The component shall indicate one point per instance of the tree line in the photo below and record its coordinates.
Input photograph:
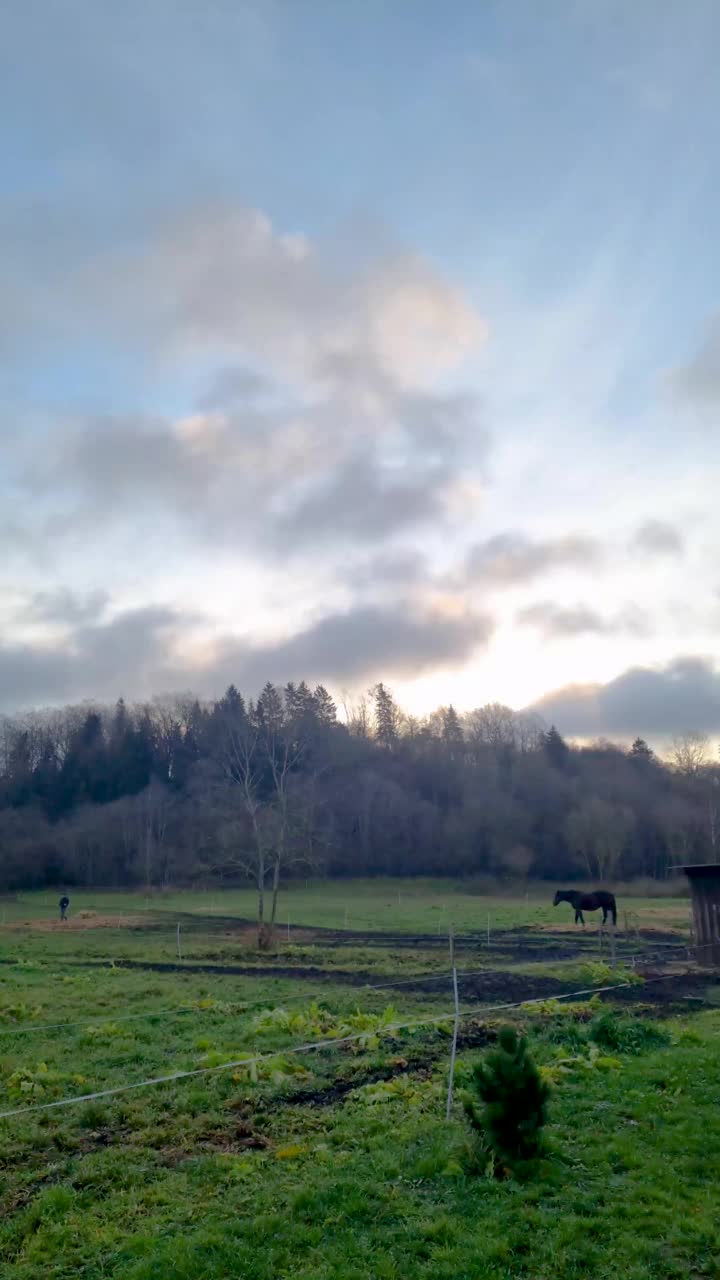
(184, 792)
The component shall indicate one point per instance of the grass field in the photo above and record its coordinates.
(337, 1161)
(398, 905)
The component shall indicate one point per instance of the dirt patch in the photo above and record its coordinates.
(418, 1062)
(83, 920)
(490, 986)
(665, 994)
(327, 977)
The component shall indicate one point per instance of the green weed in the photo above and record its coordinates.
(627, 1035)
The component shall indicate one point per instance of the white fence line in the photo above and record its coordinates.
(310, 1047)
(243, 1006)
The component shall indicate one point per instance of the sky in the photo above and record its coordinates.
(363, 341)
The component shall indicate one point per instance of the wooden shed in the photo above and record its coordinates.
(705, 888)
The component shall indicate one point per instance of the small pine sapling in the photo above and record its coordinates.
(514, 1098)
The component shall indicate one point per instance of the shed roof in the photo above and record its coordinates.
(703, 871)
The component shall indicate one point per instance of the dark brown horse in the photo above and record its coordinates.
(588, 902)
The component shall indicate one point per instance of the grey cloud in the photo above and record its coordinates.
(234, 386)
(95, 661)
(511, 559)
(220, 280)
(364, 641)
(132, 654)
(558, 621)
(64, 607)
(108, 461)
(321, 369)
(361, 502)
(681, 697)
(395, 568)
(290, 475)
(698, 381)
(657, 538)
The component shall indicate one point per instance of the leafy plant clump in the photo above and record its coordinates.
(40, 1081)
(599, 974)
(591, 1059)
(514, 1099)
(627, 1035)
(317, 1022)
(18, 1012)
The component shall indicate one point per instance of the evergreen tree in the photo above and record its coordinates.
(641, 751)
(232, 704)
(85, 774)
(119, 726)
(229, 715)
(140, 752)
(556, 749)
(325, 708)
(452, 733)
(514, 1099)
(386, 717)
(130, 753)
(292, 701)
(269, 711)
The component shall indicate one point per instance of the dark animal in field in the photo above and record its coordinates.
(588, 902)
(63, 904)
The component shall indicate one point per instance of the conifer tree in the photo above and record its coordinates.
(386, 717)
(514, 1099)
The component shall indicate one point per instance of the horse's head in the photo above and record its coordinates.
(557, 898)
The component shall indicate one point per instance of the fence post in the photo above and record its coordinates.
(612, 943)
(488, 929)
(453, 1051)
(179, 952)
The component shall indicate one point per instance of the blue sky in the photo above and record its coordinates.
(363, 340)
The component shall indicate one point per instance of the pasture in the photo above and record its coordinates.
(308, 1138)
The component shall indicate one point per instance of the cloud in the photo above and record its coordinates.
(395, 568)
(513, 559)
(221, 280)
(362, 502)
(146, 651)
(64, 607)
(657, 538)
(360, 643)
(294, 475)
(234, 386)
(558, 621)
(94, 661)
(324, 410)
(681, 697)
(698, 381)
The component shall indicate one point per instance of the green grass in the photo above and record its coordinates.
(231, 1174)
(419, 905)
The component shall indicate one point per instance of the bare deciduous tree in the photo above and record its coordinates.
(690, 754)
(259, 765)
(598, 831)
